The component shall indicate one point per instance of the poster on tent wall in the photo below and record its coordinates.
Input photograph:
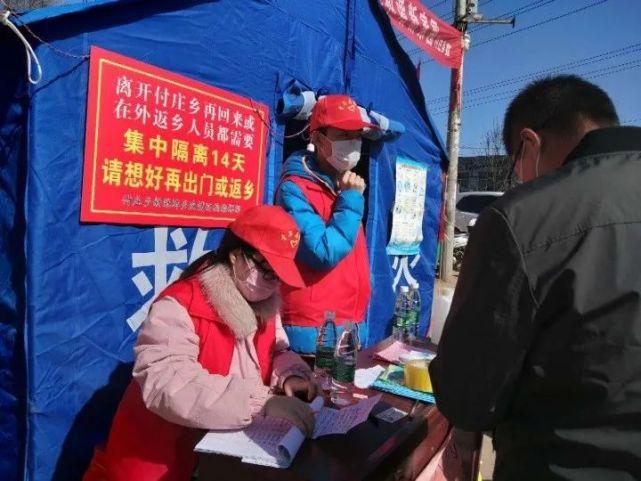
(162, 149)
(437, 38)
(409, 207)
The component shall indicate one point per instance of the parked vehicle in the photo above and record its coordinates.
(469, 205)
(460, 243)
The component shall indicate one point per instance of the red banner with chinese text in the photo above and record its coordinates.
(440, 40)
(162, 149)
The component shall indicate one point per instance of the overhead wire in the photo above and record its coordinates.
(538, 24)
(517, 11)
(523, 9)
(527, 27)
(602, 72)
(480, 148)
(575, 64)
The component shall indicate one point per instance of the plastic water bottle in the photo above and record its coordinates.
(401, 311)
(344, 364)
(440, 308)
(414, 315)
(325, 346)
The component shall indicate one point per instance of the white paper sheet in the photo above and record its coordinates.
(339, 421)
(274, 442)
(364, 378)
(259, 443)
(409, 206)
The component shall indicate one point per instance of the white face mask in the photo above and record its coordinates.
(344, 154)
(250, 281)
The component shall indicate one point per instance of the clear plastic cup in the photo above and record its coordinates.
(417, 375)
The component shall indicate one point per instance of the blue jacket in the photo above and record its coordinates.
(322, 245)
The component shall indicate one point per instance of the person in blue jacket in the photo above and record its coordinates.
(325, 198)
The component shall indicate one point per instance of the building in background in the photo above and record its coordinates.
(484, 173)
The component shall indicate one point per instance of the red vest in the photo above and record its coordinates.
(142, 446)
(344, 289)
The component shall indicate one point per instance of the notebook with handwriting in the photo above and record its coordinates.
(274, 442)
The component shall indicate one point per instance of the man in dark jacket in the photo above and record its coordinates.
(543, 341)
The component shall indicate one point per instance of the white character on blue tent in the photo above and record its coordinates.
(160, 259)
(402, 266)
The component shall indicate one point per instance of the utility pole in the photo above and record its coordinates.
(453, 140)
(465, 12)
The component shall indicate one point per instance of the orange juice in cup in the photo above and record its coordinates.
(417, 375)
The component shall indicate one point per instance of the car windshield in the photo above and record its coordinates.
(475, 203)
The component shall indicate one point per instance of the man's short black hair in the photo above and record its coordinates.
(558, 104)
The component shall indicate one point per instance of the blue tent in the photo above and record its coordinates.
(68, 289)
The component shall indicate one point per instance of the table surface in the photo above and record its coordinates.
(374, 450)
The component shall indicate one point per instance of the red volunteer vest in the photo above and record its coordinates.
(142, 446)
(344, 289)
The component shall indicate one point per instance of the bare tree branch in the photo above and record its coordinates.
(490, 170)
(498, 164)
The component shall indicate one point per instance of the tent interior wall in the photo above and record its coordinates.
(67, 289)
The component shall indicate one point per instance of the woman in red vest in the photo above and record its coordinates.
(211, 354)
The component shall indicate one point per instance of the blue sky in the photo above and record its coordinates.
(609, 27)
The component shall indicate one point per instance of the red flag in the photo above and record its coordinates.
(439, 39)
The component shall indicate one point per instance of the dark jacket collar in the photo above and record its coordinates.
(607, 140)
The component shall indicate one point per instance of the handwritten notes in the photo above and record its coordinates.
(274, 442)
(339, 421)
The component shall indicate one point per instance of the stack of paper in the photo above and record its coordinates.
(274, 442)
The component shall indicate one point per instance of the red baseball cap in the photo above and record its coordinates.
(338, 111)
(274, 233)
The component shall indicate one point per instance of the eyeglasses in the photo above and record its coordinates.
(262, 265)
(510, 174)
(542, 126)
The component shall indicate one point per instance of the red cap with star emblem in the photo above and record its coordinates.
(274, 233)
(338, 111)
